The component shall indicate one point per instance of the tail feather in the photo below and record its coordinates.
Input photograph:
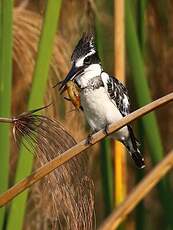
(132, 145)
(138, 159)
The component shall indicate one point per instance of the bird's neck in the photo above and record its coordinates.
(89, 73)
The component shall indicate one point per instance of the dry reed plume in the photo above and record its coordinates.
(70, 181)
(69, 190)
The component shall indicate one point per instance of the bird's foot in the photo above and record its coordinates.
(89, 139)
(106, 130)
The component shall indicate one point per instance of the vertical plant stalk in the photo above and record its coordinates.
(119, 57)
(5, 92)
(141, 6)
(107, 175)
(141, 32)
(18, 207)
(149, 122)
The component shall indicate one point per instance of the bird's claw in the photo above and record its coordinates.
(89, 139)
(106, 130)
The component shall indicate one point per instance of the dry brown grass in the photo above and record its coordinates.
(70, 182)
(69, 31)
(66, 196)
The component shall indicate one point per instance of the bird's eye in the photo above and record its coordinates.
(87, 60)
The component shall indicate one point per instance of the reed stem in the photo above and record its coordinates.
(6, 120)
(77, 149)
(5, 92)
(45, 47)
(150, 123)
(119, 59)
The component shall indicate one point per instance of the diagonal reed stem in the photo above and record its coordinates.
(75, 150)
(138, 193)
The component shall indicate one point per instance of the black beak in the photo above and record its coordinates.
(74, 71)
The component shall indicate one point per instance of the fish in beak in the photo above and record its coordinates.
(74, 72)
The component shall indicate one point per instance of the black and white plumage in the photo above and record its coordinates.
(104, 98)
(118, 94)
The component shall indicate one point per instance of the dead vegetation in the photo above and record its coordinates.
(27, 24)
(66, 196)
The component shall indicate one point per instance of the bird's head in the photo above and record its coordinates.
(84, 58)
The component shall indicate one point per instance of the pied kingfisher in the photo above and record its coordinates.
(104, 99)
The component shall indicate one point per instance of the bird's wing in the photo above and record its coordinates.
(117, 92)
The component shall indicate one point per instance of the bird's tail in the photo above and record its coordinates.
(132, 145)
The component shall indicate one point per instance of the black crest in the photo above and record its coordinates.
(84, 46)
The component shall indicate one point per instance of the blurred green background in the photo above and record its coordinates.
(36, 41)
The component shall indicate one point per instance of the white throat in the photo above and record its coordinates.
(90, 72)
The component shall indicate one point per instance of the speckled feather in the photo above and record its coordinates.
(118, 93)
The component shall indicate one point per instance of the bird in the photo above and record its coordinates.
(104, 99)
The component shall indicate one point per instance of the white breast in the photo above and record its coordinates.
(90, 72)
(99, 109)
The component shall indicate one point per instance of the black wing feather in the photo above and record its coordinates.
(119, 94)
